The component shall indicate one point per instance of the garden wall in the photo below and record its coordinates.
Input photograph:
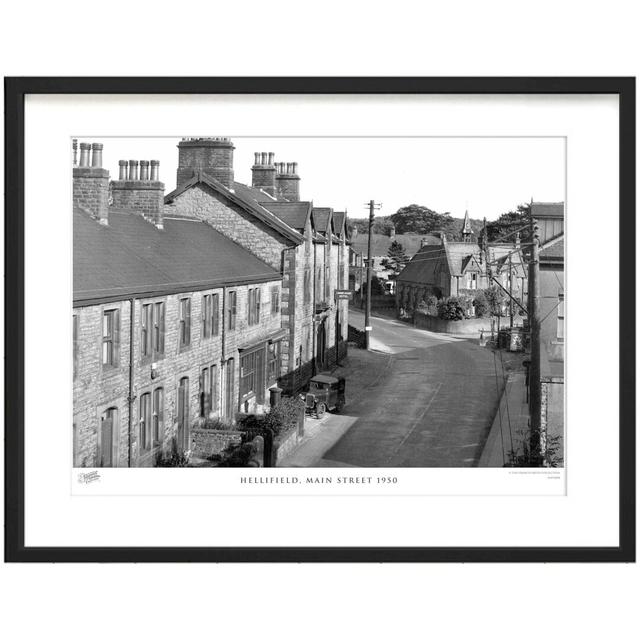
(433, 323)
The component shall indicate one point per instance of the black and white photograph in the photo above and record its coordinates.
(318, 302)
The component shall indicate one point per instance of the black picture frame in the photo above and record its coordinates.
(15, 91)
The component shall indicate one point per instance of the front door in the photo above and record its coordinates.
(229, 395)
(321, 345)
(183, 414)
(106, 438)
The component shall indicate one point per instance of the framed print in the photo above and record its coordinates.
(320, 319)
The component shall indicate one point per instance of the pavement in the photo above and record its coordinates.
(415, 399)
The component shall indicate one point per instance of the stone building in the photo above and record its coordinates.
(305, 244)
(550, 219)
(172, 320)
(453, 268)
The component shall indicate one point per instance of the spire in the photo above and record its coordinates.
(467, 231)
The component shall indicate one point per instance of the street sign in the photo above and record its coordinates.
(343, 294)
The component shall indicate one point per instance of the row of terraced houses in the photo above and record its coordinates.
(201, 303)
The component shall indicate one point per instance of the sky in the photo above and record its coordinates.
(487, 176)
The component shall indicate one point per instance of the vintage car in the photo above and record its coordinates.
(325, 392)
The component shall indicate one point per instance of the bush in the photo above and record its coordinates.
(481, 304)
(280, 419)
(174, 459)
(285, 415)
(235, 456)
(453, 308)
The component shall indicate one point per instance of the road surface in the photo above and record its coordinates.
(417, 399)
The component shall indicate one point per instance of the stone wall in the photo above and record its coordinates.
(91, 191)
(97, 388)
(202, 203)
(144, 197)
(433, 323)
(210, 442)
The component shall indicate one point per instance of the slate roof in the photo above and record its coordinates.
(295, 214)
(547, 209)
(554, 251)
(380, 243)
(130, 256)
(339, 218)
(321, 218)
(423, 265)
(457, 256)
(242, 196)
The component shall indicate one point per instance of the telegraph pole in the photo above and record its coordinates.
(535, 444)
(367, 311)
(510, 294)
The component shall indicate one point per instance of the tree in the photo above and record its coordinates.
(397, 258)
(415, 218)
(508, 223)
(381, 225)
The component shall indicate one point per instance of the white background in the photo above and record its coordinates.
(490, 38)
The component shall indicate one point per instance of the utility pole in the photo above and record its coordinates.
(510, 294)
(367, 311)
(535, 440)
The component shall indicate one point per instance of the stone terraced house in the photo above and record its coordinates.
(172, 320)
(307, 245)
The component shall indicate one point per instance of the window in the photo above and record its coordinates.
(474, 281)
(560, 328)
(145, 422)
(208, 391)
(253, 307)
(110, 337)
(273, 361)
(75, 346)
(307, 286)
(275, 301)
(210, 315)
(252, 374)
(158, 328)
(146, 334)
(157, 429)
(327, 284)
(215, 324)
(185, 323)
(108, 427)
(232, 310)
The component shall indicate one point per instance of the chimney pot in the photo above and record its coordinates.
(75, 153)
(155, 170)
(294, 167)
(85, 148)
(256, 155)
(271, 157)
(133, 169)
(122, 164)
(264, 158)
(96, 155)
(144, 170)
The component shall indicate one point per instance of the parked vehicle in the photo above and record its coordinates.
(325, 393)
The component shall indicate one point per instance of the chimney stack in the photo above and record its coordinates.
(91, 183)
(212, 156)
(264, 173)
(140, 192)
(288, 182)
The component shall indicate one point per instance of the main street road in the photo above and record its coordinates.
(417, 399)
